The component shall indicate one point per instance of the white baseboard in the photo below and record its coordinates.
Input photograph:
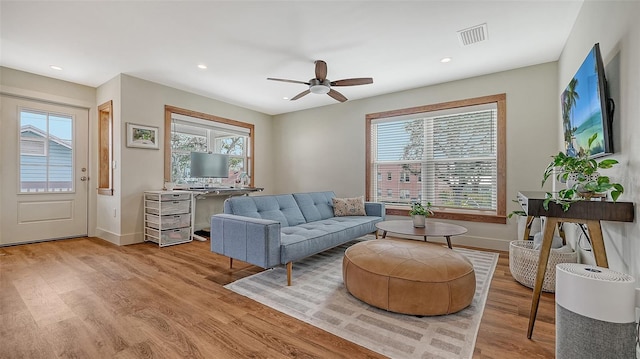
(131, 238)
(482, 242)
(108, 236)
(119, 240)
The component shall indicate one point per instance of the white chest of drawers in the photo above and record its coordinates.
(168, 217)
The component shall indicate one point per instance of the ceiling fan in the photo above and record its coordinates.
(321, 85)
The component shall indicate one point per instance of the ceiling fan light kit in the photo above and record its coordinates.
(321, 85)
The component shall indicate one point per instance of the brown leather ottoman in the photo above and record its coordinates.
(409, 277)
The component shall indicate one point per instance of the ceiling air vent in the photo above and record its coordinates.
(473, 34)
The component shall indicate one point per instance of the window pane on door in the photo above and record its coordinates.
(46, 152)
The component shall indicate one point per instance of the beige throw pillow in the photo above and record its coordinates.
(348, 207)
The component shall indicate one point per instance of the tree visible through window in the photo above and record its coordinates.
(190, 131)
(455, 151)
(182, 144)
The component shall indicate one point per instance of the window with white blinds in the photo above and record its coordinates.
(448, 155)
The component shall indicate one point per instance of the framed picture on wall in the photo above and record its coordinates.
(141, 136)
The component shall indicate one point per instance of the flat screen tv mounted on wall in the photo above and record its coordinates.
(209, 165)
(587, 109)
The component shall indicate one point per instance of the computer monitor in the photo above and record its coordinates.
(209, 165)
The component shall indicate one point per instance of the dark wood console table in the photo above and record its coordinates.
(590, 213)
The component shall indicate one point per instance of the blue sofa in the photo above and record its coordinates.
(272, 230)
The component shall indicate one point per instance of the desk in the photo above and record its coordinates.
(589, 212)
(209, 201)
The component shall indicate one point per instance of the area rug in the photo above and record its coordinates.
(318, 297)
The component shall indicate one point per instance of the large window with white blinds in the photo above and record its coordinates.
(450, 155)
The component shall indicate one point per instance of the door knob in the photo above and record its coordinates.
(84, 178)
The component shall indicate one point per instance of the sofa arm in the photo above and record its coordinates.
(374, 209)
(253, 240)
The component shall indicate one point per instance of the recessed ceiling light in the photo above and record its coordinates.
(445, 60)
(57, 68)
(202, 66)
(285, 98)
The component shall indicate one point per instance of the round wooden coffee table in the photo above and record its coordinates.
(431, 229)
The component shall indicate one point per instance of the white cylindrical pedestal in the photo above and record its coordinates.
(595, 312)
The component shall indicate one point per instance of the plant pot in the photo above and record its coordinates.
(593, 196)
(418, 220)
(572, 179)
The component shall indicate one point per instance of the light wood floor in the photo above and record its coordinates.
(86, 298)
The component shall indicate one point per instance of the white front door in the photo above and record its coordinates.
(44, 171)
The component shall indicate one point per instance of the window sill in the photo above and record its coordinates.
(458, 216)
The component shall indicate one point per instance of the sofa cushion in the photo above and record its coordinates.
(348, 206)
(311, 238)
(315, 206)
(280, 208)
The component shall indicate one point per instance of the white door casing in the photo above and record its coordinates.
(54, 209)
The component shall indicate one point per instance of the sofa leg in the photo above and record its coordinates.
(230, 262)
(289, 270)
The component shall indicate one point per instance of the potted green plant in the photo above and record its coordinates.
(582, 178)
(419, 213)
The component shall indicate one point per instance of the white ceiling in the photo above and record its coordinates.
(399, 44)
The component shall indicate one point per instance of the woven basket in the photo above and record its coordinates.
(523, 263)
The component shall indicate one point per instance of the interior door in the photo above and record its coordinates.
(44, 171)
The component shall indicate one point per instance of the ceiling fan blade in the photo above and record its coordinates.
(353, 82)
(321, 70)
(337, 95)
(303, 93)
(285, 80)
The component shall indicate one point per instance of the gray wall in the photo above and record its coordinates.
(613, 24)
(108, 209)
(143, 102)
(324, 148)
(24, 84)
